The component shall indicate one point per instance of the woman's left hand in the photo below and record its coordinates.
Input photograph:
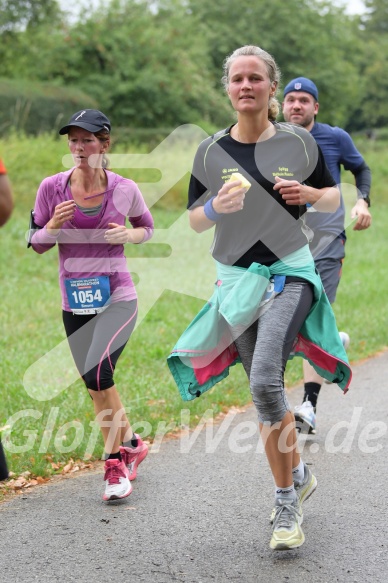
(292, 191)
(325, 200)
(116, 234)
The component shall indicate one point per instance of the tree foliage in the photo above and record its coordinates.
(22, 14)
(307, 38)
(376, 17)
(373, 68)
(158, 64)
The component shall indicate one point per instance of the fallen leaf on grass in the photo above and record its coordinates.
(68, 467)
(21, 482)
(17, 484)
(41, 479)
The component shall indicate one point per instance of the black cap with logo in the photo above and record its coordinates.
(90, 120)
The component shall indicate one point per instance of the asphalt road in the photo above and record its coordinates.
(199, 509)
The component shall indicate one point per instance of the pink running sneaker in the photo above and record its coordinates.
(133, 456)
(117, 484)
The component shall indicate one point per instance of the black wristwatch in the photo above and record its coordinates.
(365, 197)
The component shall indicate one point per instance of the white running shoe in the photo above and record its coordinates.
(117, 484)
(345, 339)
(305, 419)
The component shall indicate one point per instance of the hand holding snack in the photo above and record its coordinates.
(244, 182)
(230, 199)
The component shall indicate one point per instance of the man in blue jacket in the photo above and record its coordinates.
(300, 106)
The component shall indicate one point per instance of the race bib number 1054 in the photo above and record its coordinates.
(88, 295)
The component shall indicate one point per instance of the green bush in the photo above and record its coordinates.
(34, 108)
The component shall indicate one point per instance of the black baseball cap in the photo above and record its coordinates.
(90, 120)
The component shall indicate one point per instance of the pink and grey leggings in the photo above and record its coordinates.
(97, 340)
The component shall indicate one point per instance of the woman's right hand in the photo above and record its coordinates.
(226, 202)
(63, 212)
(230, 198)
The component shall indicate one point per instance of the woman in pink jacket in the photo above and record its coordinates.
(84, 210)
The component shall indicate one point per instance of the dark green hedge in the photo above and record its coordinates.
(35, 108)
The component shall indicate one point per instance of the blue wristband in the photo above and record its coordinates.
(209, 211)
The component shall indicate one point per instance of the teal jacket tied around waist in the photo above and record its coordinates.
(206, 350)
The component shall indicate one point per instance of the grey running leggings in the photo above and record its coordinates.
(265, 346)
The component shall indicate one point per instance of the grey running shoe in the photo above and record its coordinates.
(304, 490)
(287, 532)
(307, 486)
